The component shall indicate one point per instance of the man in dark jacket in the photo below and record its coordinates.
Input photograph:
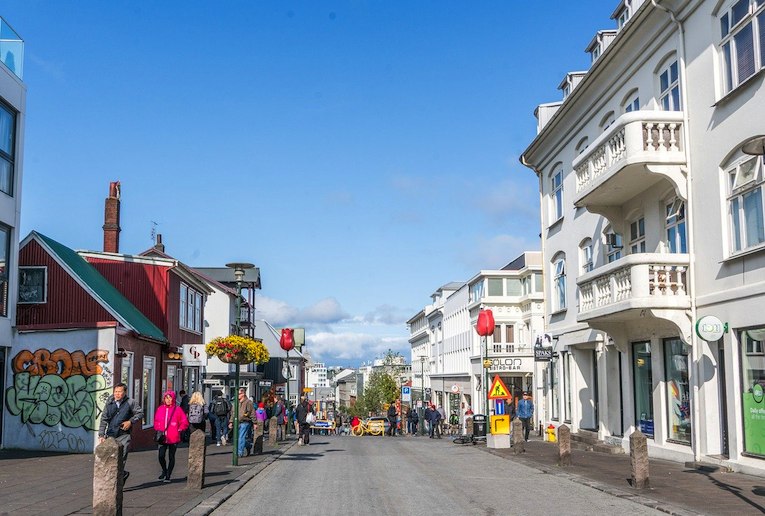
(392, 414)
(435, 424)
(117, 420)
(305, 427)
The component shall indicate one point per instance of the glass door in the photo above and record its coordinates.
(643, 376)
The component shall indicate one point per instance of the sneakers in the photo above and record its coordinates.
(217, 444)
(300, 442)
(162, 476)
(166, 480)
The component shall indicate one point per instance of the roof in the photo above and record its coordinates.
(99, 288)
(225, 275)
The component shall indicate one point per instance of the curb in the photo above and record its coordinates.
(633, 496)
(203, 506)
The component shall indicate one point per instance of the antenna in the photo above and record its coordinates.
(154, 230)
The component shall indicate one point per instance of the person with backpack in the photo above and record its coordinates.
(281, 418)
(392, 414)
(221, 408)
(198, 412)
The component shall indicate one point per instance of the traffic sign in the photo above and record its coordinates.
(498, 390)
(500, 425)
(499, 408)
(406, 393)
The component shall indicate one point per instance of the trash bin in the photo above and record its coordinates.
(479, 425)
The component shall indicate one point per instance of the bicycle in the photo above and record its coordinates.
(366, 428)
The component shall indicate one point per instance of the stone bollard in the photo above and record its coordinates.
(197, 458)
(564, 446)
(108, 467)
(469, 426)
(273, 428)
(257, 447)
(639, 459)
(519, 445)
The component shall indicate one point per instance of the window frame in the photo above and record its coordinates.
(190, 306)
(752, 19)
(613, 253)
(556, 194)
(675, 219)
(637, 235)
(25, 268)
(673, 103)
(559, 283)
(10, 158)
(149, 389)
(586, 255)
(5, 279)
(737, 196)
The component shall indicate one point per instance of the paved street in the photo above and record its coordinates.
(375, 475)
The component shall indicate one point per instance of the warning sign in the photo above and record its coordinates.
(500, 425)
(498, 389)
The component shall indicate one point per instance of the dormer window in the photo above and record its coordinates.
(566, 90)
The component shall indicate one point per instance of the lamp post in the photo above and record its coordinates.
(239, 268)
(421, 415)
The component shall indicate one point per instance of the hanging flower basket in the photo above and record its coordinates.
(235, 349)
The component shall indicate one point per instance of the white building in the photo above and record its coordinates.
(652, 218)
(316, 375)
(13, 94)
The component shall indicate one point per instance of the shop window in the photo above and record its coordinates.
(567, 386)
(126, 371)
(643, 376)
(678, 392)
(554, 395)
(753, 389)
(148, 381)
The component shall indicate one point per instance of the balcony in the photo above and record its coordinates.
(637, 151)
(246, 316)
(11, 49)
(624, 289)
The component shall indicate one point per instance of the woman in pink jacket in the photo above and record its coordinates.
(172, 420)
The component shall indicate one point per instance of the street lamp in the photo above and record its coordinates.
(239, 270)
(754, 146)
(421, 416)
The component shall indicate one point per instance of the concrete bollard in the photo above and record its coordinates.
(639, 459)
(197, 458)
(257, 447)
(519, 445)
(273, 427)
(108, 467)
(468, 425)
(564, 446)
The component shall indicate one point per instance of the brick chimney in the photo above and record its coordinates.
(112, 219)
(159, 246)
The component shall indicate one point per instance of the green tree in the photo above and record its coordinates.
(381, 389)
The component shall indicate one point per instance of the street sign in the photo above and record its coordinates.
(487, 363)
(499, 408)
(498, 390)
(500, 424)
(212, 381)
(428, 390)
(307, 389)
(406, 393)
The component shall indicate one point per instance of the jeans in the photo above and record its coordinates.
(305, 432)
(526, 427)
(245, 437)
(221, 427)
(167, 468)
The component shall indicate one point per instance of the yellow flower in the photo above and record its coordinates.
(251, 350)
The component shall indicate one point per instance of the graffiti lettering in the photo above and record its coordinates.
(56, 440)
(60, 362)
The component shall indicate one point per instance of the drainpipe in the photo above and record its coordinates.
(689, 205)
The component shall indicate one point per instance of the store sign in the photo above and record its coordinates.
(542, 354)
(710, 328)
(456, 389)
(508, 364)
(194, 355)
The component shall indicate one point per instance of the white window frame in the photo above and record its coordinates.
(556, 194)
(675, 223)
(633, 105)
(586, 255)
(739, 17)
(745, 178)
(559, 283)
(613, 253)
(668, 101)
(148, 390)
(190, 317)
(24, 268)
(127, 371)
(182, 309)
(637, 235)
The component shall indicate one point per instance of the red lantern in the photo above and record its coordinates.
(485, 324)
(287, 340)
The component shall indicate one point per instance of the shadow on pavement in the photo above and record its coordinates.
(736, 491)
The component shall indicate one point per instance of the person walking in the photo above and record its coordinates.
(392, 413)
(525, 413)
(198, 412)
(246, 413)
(184, 401)
(281, 418)
(415, 421)
(221, 410)
(441, 420)
(301, 413)
(117, 420)
(261, 415)
(435, 423)
(170, 419)
(214, 437)
(428, 416)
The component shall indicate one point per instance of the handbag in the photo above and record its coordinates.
(160, 436)
(310, 418)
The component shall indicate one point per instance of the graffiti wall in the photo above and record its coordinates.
(58, 384)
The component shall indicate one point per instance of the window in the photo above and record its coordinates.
(497, 337)
(476, 291)
(5, 266)
(33, 284)
(526, 285)
(513, 286)
(559, 284)
(148, 389)
(669, 83)
(742, 44)
(538, 279)
(190, 317)
(554, 394)
(614, 245)
(745, 204)
(557, 195)
(675, 223)
(7, 148)
(678, 393)
(126, 371)
(586, 255)
(643, 376)
(495, 286)
(509, 333)
(584, 142)
(637, 236)
(633, 105)
(567, 415)
(752, 389)
(605, 123)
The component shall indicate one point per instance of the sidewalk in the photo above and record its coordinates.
(49, 483)
(674, 489)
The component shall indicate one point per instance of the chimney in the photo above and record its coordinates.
(159, 246)
(112, 219)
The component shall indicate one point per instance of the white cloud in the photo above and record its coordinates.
(330, 347)
(279, 313)
(386, 314)
(495, 252)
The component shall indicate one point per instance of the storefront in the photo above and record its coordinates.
(753, 389)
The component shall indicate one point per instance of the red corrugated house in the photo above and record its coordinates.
(77, 336)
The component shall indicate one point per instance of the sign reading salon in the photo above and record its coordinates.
(511, 364)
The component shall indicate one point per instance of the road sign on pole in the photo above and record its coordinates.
(498, 390)
(406, 393)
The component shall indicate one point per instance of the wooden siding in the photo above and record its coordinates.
(175, 334)
(144, 285)
(67, 302)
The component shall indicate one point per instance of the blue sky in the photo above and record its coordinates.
(361, 153)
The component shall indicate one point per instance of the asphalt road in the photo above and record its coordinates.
(411, 476)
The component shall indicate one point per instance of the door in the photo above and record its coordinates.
(723, 398)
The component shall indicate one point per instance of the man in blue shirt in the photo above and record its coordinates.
(525, 412)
